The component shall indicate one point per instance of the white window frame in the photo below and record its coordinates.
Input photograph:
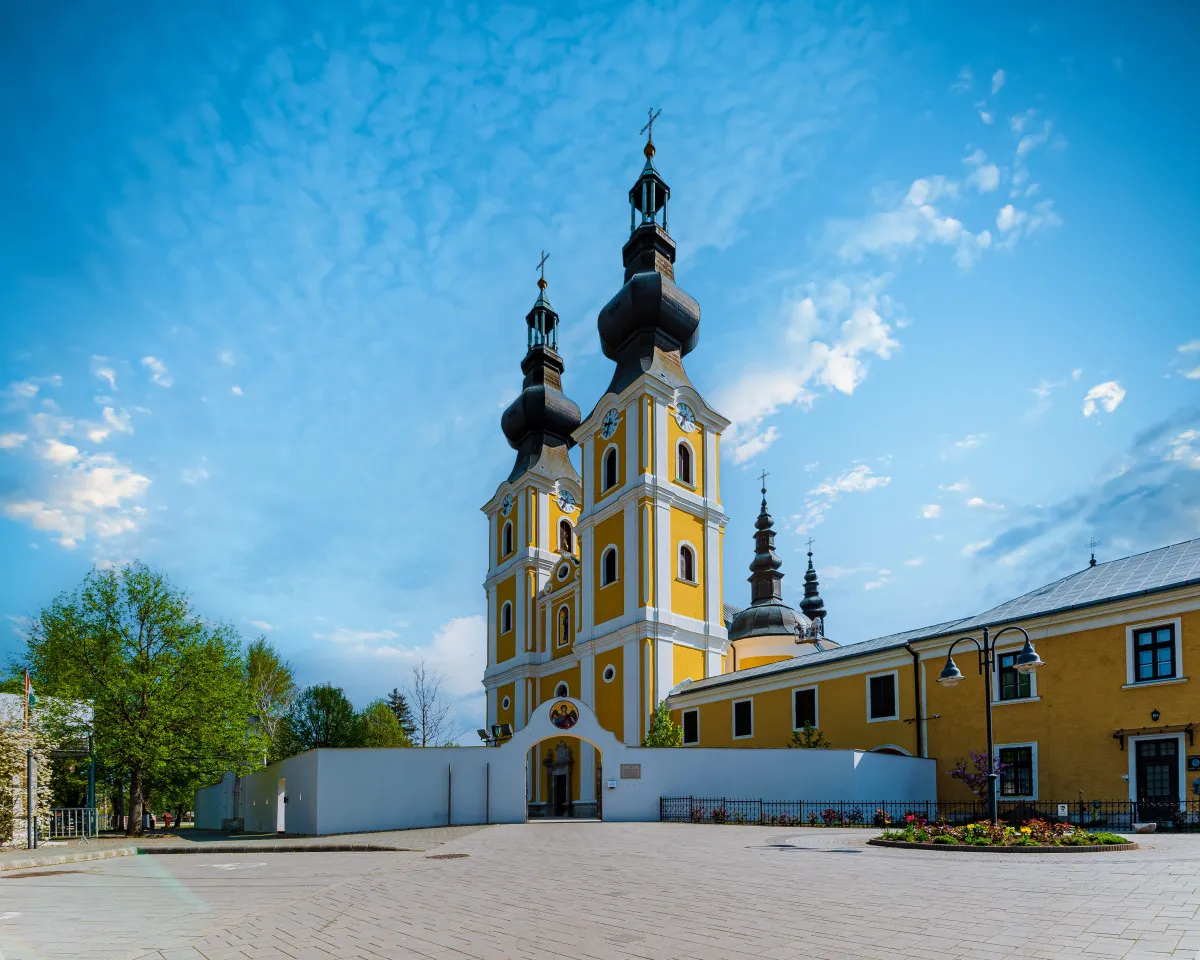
(603, 556)
(1033, 692)
(570, 549)
(687, 545)
(895, 675)
(507, 606)
(564, 686)
(604, 673)
(1181, 750)
(1131, 681)
(691, 482)
(733, 718)
(1032, 744)
(505, 703)
(696, 711)
(604, 486)
(508, 535)
(563, 641)
(816, 706)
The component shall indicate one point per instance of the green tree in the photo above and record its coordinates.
(380, 728)
(272, 691)
(322, 717)
(810, 738)
(664, 732)
(169, 688)
(398, 703)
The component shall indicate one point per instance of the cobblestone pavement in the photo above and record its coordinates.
(599, 890)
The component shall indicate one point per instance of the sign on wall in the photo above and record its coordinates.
(1194, 763)
(631, 771)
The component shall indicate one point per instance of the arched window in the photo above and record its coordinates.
(506, 617)
(683, 463)
(564, 626)
(561, 690)
(566, 537)
(687, 564)
(608, 567)
(507, 540)
(610, 468)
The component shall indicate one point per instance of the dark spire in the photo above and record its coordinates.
(1092, 545)
(766, 581)
(812, 606)
(539, 423)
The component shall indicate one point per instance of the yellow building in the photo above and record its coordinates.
(604, 584)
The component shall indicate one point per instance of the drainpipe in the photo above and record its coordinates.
(917, 698)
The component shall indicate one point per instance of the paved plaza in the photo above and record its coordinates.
(598, 890)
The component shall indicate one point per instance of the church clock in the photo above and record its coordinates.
(566, 501)
(506, 504)
(612, 420)
(685, 418)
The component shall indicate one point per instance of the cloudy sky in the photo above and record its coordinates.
(264, 267)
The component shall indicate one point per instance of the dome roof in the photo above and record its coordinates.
(648, 310)
(771, 619)
(541, 408)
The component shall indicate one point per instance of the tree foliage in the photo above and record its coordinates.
(810, 738)
(432, 709)
(975, 776)
(272, 691)
(664, 732)
(398, 703)
(169, 688)
(380, 728)
(321, 716)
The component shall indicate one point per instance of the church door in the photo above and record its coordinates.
(562, 797)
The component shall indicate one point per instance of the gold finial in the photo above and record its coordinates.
(648, 129)
(542, 268)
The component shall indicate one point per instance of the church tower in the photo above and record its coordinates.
(532, 542)
(652, 524)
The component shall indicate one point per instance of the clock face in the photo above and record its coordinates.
(612, 420)
(566, 501)
(685, 418)
(506, 504)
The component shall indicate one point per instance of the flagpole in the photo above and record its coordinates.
(27, 699)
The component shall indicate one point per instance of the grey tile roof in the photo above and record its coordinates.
(730, 611)
(1174, 566)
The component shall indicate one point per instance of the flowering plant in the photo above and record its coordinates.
(1032, 833)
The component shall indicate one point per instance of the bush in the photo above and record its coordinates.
(1033, 833)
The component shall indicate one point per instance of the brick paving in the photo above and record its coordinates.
(599, 890)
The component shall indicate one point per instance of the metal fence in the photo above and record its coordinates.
(1117, 815)
(78, 822)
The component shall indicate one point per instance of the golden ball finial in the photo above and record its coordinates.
(648, 149)
(541, 283)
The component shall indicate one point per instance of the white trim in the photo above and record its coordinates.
(890, 746)
(1033, 694)
(508, 538)
(695, 580)
(564, 686)
(895, 675)
(733, 718)
(1153, 683)
(696, 711)
(506, 607)
(1004, 703)
(1034, 757)
(1130, 661)
(816, 706)
(617, 566)
(606, 487)
(562, 641)
(690, 483)
(1181, 750)
(505, 703)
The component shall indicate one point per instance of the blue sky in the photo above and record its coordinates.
(264, 268)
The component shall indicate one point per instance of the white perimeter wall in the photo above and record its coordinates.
(346, 791)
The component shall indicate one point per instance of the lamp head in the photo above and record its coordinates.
(950, 674)
(1027, 660)
(483, 734)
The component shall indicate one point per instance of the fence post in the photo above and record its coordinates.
(449, 794)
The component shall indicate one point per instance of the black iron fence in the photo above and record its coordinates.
(1115, 815)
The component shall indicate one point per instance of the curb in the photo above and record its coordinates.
(971, 848)
(29, 863)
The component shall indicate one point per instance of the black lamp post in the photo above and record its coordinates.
(1027, 661)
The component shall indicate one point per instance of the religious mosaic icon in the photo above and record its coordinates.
(506, 504)
(564, 715)
(685, 418)
(566, 501)
(612, 420)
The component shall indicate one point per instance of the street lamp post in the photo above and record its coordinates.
(1027, 661)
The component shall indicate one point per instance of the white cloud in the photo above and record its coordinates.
(973, 548)
(226, 357)
(1009, 217)
(10, 441)
(811, 466)
(858, 479)
(70, 529)
(104, 371)
(978, 503)
(914, 562)
(23, 389)
(1181, 448)
(236, 390)
(964, 80)
(997, 81)
(1192, 346)
(931, 511)
(262, 625)
(960, 486)
(194, 475)
(969, 442)
(1076, 374)
(876, 584)
(1107, 395)
(1193, 374)
(58, 452)
(112, 421)
(985, 178)
(158, 371)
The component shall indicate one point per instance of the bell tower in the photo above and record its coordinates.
(652, 522)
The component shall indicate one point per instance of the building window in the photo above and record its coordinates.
(507, 540)
(1154, 653)
(691, 726)
(1013, 684)
(506, 615)
(804, 708)
(566, 537)
(608, 566)
(743, 719)
(683, 464)
(881, 697)
(610, 469)
(687, 564)
(561, 689)
(564, 626)
(505, 703)
(610, 673)
(1018, 770)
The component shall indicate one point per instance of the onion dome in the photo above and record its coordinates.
(649, 313)
(812, 604)
(767, 615)
(539, 423)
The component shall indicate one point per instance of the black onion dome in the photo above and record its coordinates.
(812, 604)
(769, 619)
(767, 615)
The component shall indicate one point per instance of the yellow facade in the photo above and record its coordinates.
(695, 443)
(688, 663)
(609, 598)
(601, 447)
(687, 598)
(506, 640)
(610, 695)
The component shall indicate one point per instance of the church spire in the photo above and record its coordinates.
(539, 423)
(766, 580)
(812, 606)
(649, 247)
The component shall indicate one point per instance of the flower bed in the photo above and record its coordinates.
(1032, 833)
